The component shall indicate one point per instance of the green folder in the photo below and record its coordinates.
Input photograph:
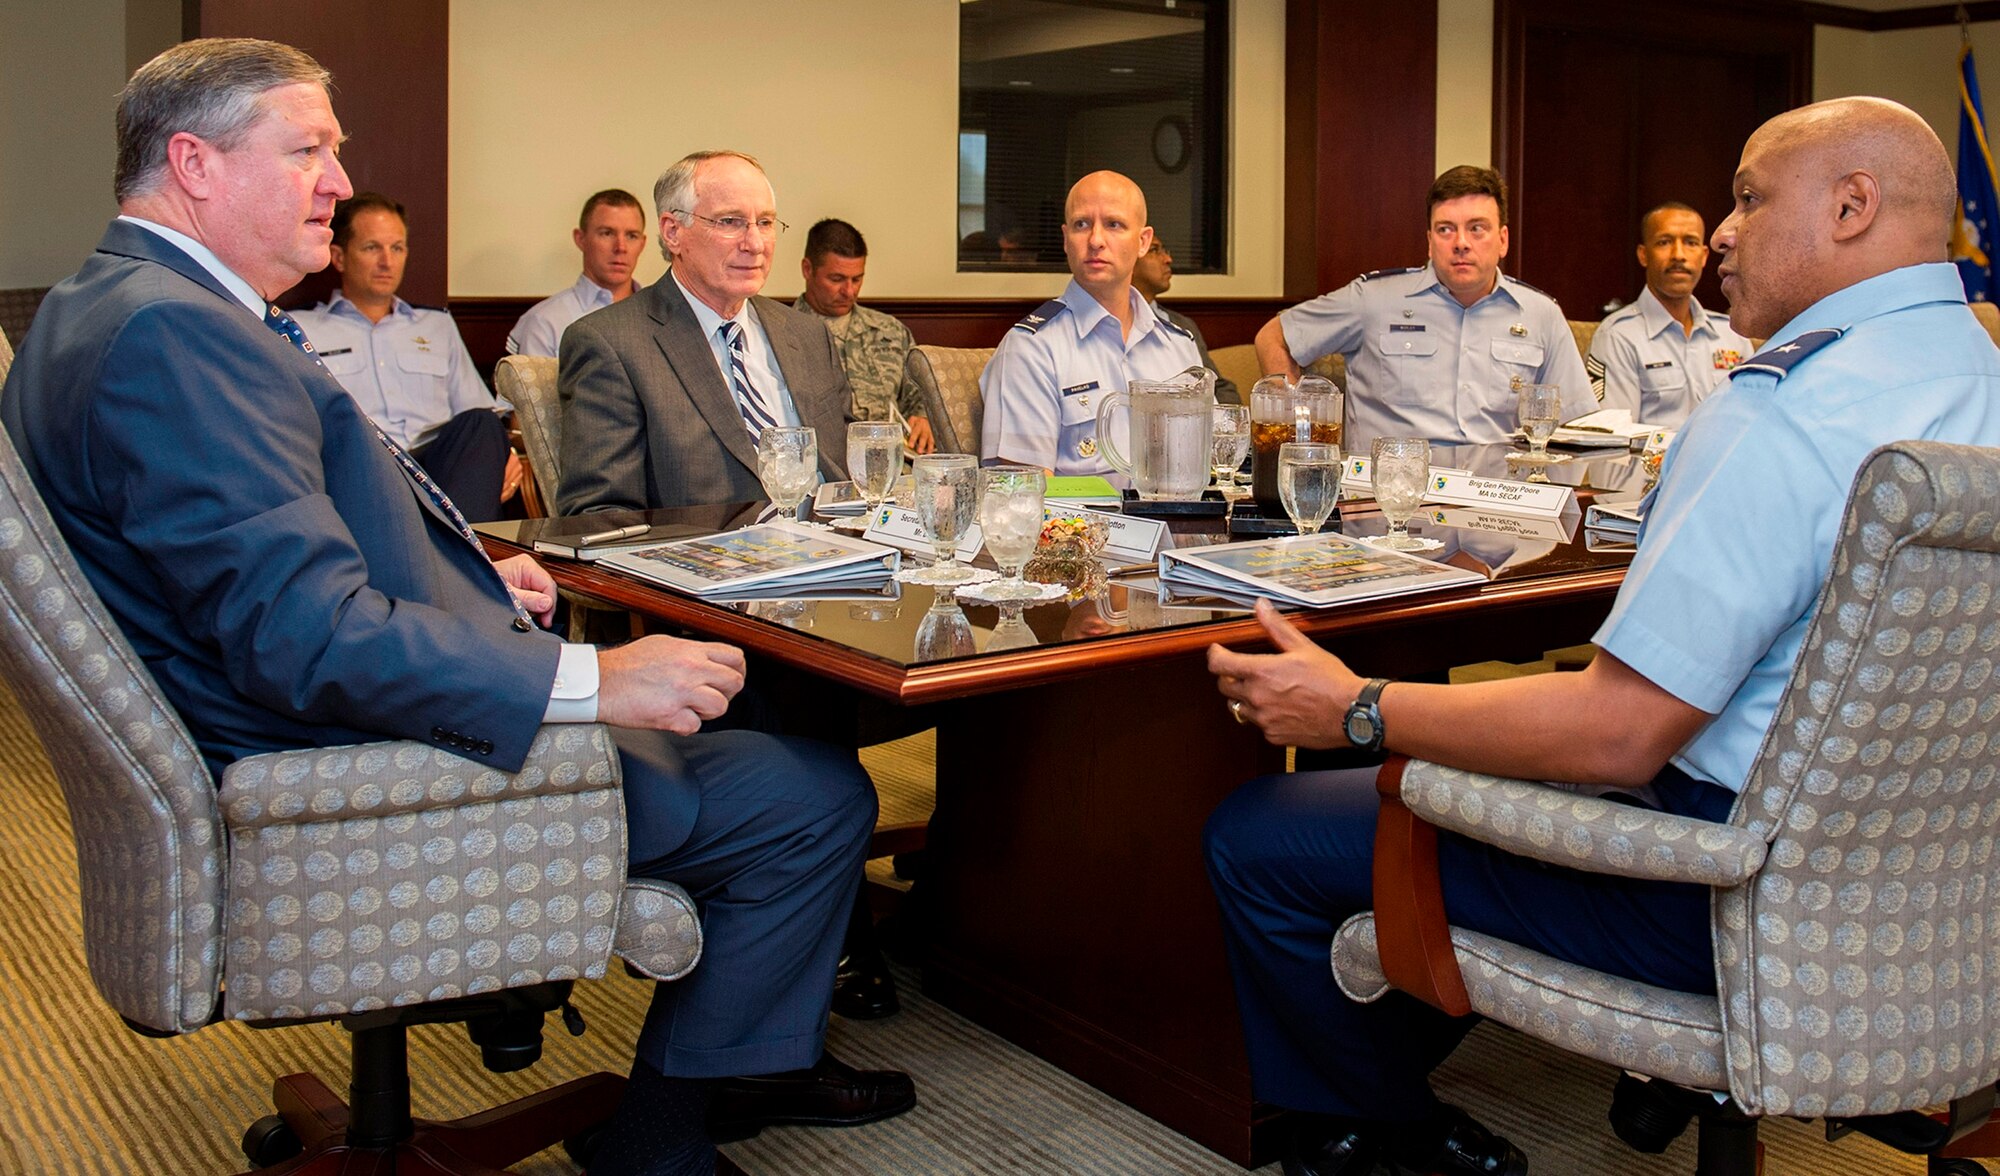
(1090, 489)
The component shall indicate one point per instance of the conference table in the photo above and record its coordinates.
(1063, 903)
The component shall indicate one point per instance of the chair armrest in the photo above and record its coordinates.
(404, 776)
(1582, 832)
(1414, 937)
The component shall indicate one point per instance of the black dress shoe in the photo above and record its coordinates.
(831, 1094)
(1453, 1143)
(1331, 1151)
(863, 989)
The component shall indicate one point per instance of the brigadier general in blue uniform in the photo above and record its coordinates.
(1836, 252)
(1050, 373)
(1438, 351)
(406, 366)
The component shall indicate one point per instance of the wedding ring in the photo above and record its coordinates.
(1236, 710)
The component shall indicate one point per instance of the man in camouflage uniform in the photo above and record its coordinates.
(873, 346)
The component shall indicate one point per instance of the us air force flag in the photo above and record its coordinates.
(1972, 243)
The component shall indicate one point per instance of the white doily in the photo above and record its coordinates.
(982, 593)
(970, 574)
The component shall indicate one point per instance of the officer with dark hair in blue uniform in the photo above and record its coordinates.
(1438, 351)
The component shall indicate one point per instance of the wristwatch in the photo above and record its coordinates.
(1363, 724)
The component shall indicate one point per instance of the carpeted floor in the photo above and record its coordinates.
(81, 1094)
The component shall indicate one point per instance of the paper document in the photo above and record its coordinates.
(1316, 571)
(767, 557)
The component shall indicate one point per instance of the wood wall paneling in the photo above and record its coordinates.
(390, 87)
(1599, 117)
(1360, 138)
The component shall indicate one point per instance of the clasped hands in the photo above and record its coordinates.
(658, 682)
(1297, 696)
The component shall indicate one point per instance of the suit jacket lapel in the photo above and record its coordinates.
(788, 346)
(688, 353)
(129, 240)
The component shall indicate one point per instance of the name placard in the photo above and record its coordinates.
(900, 527)
(1129, 539)
(1465, 488)
(1559, 529)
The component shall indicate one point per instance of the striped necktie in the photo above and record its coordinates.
(284, 324)
(756, 416)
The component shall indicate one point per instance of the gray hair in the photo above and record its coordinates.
(212, 89)
(673, 192)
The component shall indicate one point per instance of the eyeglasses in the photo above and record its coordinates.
(732, 228)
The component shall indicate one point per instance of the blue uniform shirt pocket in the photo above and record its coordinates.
(1518, 351)
(1401, 340)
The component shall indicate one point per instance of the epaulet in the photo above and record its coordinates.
(1779, 361)
(1041, 314)
(1525, 286)
(1371, 275)
(1171, 325)
(436, 309)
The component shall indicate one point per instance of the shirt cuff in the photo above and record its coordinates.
(573, 697)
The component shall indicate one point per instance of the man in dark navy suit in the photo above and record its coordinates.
(293, 580)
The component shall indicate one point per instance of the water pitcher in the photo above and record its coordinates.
(1170, 432)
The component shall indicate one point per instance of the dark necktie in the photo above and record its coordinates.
(284, 324)
(756, 417)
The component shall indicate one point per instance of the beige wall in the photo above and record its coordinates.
(1917, 67)
(1465, 83)
(61, 66)
(855, 117)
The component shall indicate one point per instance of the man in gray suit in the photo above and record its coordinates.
(663, 394)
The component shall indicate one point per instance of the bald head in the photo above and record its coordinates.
(1104, 234)
(1106, 185)
(1826, 196)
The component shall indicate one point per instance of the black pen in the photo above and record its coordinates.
(613, 535)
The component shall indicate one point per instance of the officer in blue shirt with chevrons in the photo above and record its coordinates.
(406, 366)
(1663, 353)
(1050, 373)
(1837, 252)
(1438, 351)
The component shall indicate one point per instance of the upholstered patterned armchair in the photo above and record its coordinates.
(528, 382)
(383, 884)
(949, 379)
(1857, 952)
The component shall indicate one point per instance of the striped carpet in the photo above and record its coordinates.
(81, 1094)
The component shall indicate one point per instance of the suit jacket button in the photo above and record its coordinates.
(521, 625)
(485, 747)
(440, 734)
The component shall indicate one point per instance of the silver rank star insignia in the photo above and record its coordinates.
(1087, 447)
(1518, 331)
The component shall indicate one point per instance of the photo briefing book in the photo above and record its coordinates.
(767, 558)
(1316, 572)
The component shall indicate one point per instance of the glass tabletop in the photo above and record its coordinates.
(910, 625)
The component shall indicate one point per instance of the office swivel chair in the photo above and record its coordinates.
(528, 382)
(948, 377)
(383, 885)
(1854, 882)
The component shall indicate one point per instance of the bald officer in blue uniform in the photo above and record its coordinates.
(1836, 252)
(1438, 351)
(1659, 356)
(406, 366)
(1047, 378)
